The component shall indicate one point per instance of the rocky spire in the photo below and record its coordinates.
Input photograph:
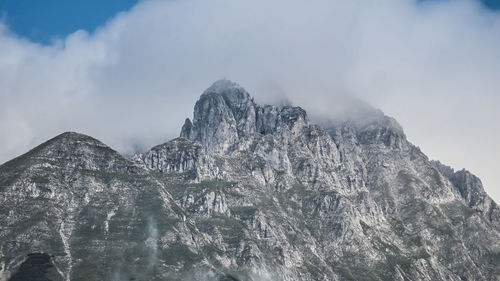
(226, 113)
(223, 113)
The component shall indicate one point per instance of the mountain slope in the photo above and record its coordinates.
(249, 192)
(84, 204)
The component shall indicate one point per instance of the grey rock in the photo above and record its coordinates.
(471, 189)
(249, 192)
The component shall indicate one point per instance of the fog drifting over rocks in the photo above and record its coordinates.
(433, 65)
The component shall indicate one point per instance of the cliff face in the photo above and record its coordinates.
(248, 192)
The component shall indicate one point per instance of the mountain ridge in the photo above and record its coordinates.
(249, 192)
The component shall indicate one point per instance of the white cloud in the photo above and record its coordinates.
(433, 65)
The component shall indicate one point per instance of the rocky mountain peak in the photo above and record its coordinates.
(70, 150)
(249, 192)
(71, 141)
(226, 113)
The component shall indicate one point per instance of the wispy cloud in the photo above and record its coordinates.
(433, 65)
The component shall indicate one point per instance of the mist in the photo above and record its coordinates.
(432, 65)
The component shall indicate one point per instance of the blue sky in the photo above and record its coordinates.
(492, 4)
(43, 21)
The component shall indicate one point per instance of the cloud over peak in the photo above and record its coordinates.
(434, 65)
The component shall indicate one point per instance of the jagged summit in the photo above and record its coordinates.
(226, 113)
(472, 191)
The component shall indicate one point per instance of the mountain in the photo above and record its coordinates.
(247, 192)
